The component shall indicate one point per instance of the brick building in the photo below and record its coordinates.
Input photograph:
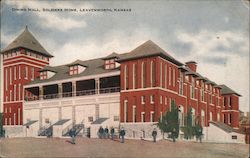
(132, 89)
(22, 59)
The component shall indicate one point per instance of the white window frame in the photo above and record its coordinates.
(10, 75)
(134, 113)
(32, 73)
(14, 72)
(173, 70)
(142, 118)
(19, 71)
(26, 72)
(152, 99)
(6, 79)
(151, 74)
(125, 110)
(133, 75)
(19, 117)
(143, 99)
(15, 92)
(160, 99)
(169, 79)
(151, 116)
(161, 75)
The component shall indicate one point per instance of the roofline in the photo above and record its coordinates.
(152, 55)
(4, 51)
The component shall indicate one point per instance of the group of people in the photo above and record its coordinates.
(104, 133)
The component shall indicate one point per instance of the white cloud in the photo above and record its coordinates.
(234, 72)
(55, 20)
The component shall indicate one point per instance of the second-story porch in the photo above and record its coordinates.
(93, 86)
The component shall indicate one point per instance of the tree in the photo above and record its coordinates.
(188, 129)
(169, 122)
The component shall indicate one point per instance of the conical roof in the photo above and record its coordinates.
(27, 40)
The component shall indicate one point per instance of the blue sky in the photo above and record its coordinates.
(215, 34)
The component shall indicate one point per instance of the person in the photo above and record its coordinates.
(112, 131)
(72, 135)
(106, 131)
(101, 132)
(200, 133)
(122, 134)
(173, 135)
(154, 134)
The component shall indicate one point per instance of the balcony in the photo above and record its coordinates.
(73, 94)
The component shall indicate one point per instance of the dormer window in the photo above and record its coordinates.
(76, 69)
(46, 74)
(73, 70)
(110, 63)
(43, 75)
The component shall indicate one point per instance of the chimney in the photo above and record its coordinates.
(192, 65)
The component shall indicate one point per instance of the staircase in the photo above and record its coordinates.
(46, 131)
(77, 127)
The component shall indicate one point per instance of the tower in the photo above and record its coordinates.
(21, 60)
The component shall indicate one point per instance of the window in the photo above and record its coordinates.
(193, 117)
(126, 77)
(152, 116)
(19, 72)
(10, 121)
(202, 118)
(19, 91)
(152, 74)
(143, 75)
(10, 76)
(134, 113)
(110, 64)
(165, 75)
(181, 116)
(14, 72)
(224, 102)
(32, 73)
(166, 100)
(143, 118)
(224, 118)
(202, 91)
(143, 99)
(229, 101)
(26, 72)
(125, 110)
(90, 119)
(152, 99)
(15, 92)
(6, 79)
(169, 79)
(181, 84)
(160, 99)
(161, 74)
(19, 115)
(192, 87)
(134, 76)
(43, 75)
(210, 116)
(10, 95)
(173, 76)
(218, 116)
(230, 119)
(73, 70)
(14, 118)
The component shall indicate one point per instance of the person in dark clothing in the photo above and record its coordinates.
(101, 131)
(106, 131)
(154, 134)
(122, 134)
(112, 131)
(72, 134)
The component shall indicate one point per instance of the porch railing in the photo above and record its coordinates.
(71, 94)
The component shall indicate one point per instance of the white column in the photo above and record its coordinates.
(60, 90)
(73, 114)
(73, 88)
(97, 86)
(59, 113)
(40, 117)
(41, 92)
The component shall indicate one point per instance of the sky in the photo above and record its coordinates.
(215, 34)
